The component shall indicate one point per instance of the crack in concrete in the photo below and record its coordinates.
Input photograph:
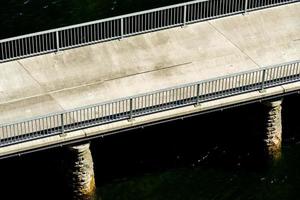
(230, 41)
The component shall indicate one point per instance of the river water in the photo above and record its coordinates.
(26, 16)
(211, 156)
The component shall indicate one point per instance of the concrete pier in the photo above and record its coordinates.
(80, 172)
(273, 130)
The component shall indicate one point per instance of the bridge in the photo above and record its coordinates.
(76, 83)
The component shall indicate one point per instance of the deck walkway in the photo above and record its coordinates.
(82, 76)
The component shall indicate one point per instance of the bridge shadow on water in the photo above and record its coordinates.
(211, 156)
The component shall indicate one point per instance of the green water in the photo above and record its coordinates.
(206, 183)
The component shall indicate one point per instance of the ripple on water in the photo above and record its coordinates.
(26, 2)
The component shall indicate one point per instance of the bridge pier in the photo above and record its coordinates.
(80, 172)
(273, 129)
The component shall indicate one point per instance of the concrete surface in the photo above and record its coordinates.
(49, 83)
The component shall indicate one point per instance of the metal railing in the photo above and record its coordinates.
(125, 26)
(161, 100)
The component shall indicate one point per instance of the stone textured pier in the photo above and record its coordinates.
(81, 172)
(273, 129)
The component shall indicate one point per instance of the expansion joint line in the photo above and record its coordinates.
(234, 44)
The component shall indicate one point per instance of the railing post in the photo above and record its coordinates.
(263, 81)
(184, 15)
(131, 110)
(2, 136)
(57, 41)
(62, 125)
(122, 27)
(198, 95)
(298, 69)
(246, 7)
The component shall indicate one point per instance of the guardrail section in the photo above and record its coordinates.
(162, 100)
(126, 25)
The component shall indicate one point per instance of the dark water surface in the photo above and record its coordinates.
(19, 17)
(212, 156)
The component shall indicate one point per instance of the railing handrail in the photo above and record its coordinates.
(60, 38)
(150, 93)
(100, 20)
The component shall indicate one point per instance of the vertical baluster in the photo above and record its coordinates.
(263, 80)
(57, 41)
(246, 7)
(198, 94)
(184, 14)
(131, 109)
(122, 27)
(62, 124)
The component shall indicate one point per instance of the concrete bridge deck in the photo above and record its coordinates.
(106, 71)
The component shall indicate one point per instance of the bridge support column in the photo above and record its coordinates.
(80, 172)
(273, 129)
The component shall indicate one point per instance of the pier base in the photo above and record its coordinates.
(273, 130)
(80, 172)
